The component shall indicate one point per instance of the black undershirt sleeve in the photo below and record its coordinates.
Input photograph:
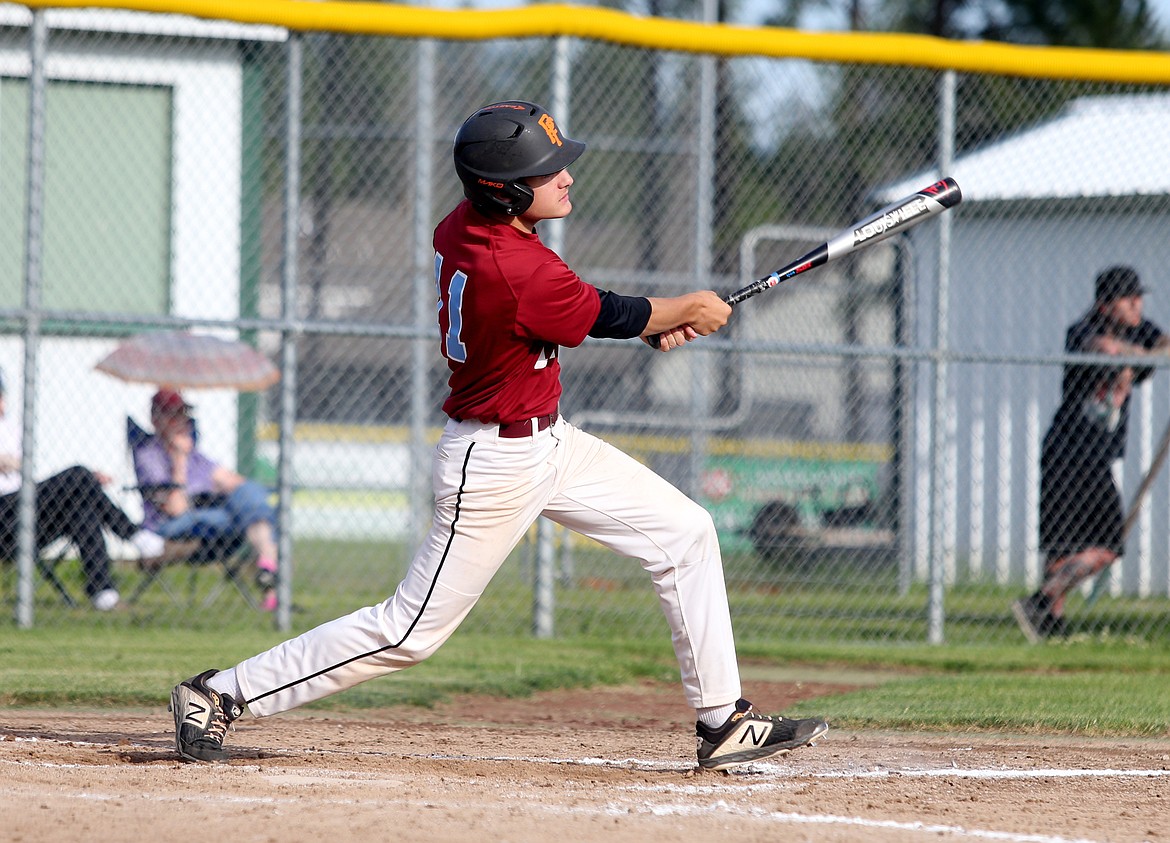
(621, 317)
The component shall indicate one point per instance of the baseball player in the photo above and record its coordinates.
(506, 456)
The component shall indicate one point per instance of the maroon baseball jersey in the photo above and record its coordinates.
(506, 302)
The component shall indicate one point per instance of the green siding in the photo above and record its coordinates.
(251, 202)
(107, 196)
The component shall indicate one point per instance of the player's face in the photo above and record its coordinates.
(550, 198)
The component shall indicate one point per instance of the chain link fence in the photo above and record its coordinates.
(868, 437)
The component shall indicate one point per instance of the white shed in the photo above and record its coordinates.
(1043, 212)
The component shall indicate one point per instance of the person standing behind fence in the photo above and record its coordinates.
(1081, 510)
(506, 456)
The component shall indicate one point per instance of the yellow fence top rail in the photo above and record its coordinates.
(616, 27)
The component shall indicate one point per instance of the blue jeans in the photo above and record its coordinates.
(229, 517)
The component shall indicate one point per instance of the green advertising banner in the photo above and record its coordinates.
(819, 490)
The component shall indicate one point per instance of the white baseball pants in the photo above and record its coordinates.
(488, 491)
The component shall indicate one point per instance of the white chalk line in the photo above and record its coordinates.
(787, 771)
(720, 807)
(737, 784)
(856, 822)
(741, 774)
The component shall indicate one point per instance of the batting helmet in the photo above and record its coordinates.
(500, 145)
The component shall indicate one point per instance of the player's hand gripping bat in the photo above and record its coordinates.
(890, 220)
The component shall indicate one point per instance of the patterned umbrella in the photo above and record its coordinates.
(181, 359)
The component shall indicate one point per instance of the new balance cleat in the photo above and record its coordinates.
(202, 718)
(750, 736)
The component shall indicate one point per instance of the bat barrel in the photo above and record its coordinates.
(949, 194)
(891, 220)
(897, 217)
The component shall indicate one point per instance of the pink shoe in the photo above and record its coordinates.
(266, 579)
(266, 570)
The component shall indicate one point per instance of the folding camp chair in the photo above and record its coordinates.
(47, 561)
(229, 553)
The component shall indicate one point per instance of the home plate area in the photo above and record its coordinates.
(602, 764)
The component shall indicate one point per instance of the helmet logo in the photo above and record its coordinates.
(550, 128)
(496, 184)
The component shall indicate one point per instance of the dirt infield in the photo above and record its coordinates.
(610, 765)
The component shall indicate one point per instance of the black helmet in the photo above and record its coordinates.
(503, 143)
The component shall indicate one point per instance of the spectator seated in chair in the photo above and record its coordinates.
(71, 504)
(187, 495)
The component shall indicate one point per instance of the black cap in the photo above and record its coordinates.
(1118, 282)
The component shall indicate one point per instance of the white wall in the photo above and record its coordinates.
(81, 413)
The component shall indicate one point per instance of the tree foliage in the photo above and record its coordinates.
(1105, 24)
(882, 126)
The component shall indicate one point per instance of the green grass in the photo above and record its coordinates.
(133, 666)
(1085, 689)
(849, 626)
(1104, 688)
(1083, 703)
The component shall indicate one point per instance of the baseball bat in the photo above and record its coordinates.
(1135, 508)
(878, 226)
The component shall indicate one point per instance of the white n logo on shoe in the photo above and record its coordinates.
(196, 712)
(755, 733)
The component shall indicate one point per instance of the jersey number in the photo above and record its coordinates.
(548, 353)
(453, 347)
